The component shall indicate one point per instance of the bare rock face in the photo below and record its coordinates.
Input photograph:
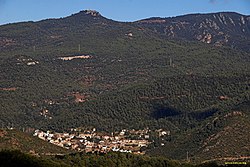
(219, 29)
(92, 13)
(207, 38)
(5, 42)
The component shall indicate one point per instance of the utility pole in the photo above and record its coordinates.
(188, 157)
(170, 62)
(79, 47)
(186, 118)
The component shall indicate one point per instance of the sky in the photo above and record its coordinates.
(120, 10)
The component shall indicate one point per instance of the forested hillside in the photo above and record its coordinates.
(19, 140)
(88, 71)
(16, 158)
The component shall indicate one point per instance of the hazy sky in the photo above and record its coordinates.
(120, 10)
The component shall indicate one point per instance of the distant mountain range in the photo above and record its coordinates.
(189, 75)
(220, 29)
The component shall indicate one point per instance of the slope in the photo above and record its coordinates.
(86, 70)
(220, 29)
(222, 138)
(17, 140)
(34, 80)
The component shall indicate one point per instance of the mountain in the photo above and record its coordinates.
(85, 70)
(49, 32)
(220, 29)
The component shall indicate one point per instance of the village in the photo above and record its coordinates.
(90, 141)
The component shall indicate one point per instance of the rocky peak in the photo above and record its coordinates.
(85, 16)
(92, 13)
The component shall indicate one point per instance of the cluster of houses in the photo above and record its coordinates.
(129, 141)
(27, 61)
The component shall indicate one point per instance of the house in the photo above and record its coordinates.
(130, 34)
(32, 63)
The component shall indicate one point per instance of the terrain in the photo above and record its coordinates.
(219, 29)
(18, 140)
(17, 158)
(89, 71)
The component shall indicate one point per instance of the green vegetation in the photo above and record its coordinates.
(211, 28)
(15, 139)
(138, 81)
(17, 158)
(223, 137)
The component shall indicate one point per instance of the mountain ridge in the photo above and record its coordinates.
(220, 29)
(228, 29)
(194, 14)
